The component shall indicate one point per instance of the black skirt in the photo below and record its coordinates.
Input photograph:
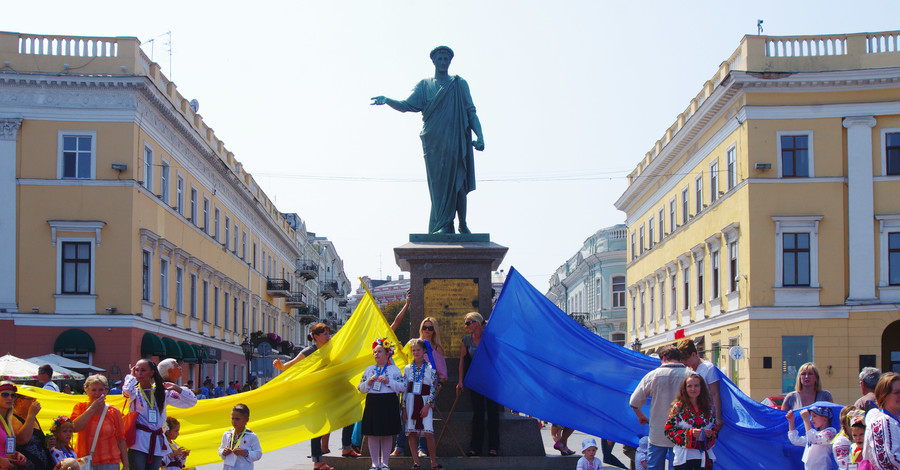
(381, 416)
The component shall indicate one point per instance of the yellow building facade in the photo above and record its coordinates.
(765, 223)
(129, 229)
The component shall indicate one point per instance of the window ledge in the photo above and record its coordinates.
(796, 296)
(889, 293)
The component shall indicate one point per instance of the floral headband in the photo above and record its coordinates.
(59, 421)
(386, 344)
(5, 387)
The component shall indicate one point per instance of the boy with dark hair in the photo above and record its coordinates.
(240, 446)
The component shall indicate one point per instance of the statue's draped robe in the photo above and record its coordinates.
(447, 143)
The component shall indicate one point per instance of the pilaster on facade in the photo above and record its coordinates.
(860, 197)
(9, 134)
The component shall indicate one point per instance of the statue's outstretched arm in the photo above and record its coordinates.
(397, 105)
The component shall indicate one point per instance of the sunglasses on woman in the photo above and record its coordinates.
(8, 394)
(469, 322)
(428, 328)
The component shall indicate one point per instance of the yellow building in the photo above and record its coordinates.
(768, 216)
(129, 230)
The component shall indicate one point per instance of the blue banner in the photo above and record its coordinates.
(535, 359)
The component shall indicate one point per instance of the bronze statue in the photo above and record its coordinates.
(449, 119)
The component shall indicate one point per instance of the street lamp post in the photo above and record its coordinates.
(247, 347)
(636, 345)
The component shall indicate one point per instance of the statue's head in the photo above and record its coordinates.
(438, 49)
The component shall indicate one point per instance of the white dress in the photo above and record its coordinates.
(817, 454)
(882, 442)
(427, 376)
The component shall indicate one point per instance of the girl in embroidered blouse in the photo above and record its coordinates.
(62, 429)
(817, 441)
(178, 455)
(149, 397)
(692, 424)
(381, 415)
(9, 457)
(418, 400)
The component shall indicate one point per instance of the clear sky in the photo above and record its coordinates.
(571, 95)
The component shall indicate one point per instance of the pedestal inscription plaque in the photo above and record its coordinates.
(449, 300)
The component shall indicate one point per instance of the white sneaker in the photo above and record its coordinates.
(385, 467)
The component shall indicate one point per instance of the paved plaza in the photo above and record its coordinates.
(295, 457)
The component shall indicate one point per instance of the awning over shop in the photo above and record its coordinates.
(188, 353)
(172, 349)
(55, 360)
(74, 341)
(152, 345)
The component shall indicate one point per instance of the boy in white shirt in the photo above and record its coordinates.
(240, 446)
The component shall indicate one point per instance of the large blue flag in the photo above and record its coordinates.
(535, 359)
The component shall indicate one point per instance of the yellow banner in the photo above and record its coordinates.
(315, 396)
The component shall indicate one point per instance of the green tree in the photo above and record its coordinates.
(390, 312)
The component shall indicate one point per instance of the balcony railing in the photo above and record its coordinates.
(307, 315)
(329, 289)
(278, 288)
(295, 300)
(307, 270)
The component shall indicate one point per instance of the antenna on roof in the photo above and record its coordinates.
(759, 28)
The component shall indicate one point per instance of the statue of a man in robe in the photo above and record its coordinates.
(449, 121)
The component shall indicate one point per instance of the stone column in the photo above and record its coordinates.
(9, 132)
(860, 208)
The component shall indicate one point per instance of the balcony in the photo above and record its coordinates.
(278, 288)
(306, 270)
(342, 302)
(329, 290)
(307, 315)
(295, 300)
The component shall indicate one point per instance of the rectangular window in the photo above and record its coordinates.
(894, 258)
(618, 291)
(673, 282)
(795, 351)
(179, 289)
(672, 215)
(643, 309)
(164, 183)
(686, 276)
(215, 233)
(731, 158)
(662, 301)
(227, 240)
(794, 156)
(700, 282)
(193, 298)
(662, 232)
(148, 168)
(733, 266)
(216, 306)
(194, 206)
(254, 255)
(715, 350)
(892, 153)
(650, 228)
(145, 275)
(633, 246)
(652, 310)
(164, 283)
(234, 245)
(714, 266)
(713, 182)
(76, 268)
(698, 194)
(244, 246)
(641, 238)
(684, 206)
(77, 156)
(206, 226)
(179, 195)
(225, 310)
(796, 259)
(244, 316)
(206, 301)
(234, 323)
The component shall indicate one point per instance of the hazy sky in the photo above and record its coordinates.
(571, 95)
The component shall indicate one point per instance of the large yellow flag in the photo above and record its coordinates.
(315, 396)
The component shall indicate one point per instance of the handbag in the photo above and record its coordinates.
(130, 420)
(85, 462)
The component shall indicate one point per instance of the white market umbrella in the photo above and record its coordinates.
(57, 360)
(14, 368)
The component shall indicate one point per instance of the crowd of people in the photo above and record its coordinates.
(143, 438)
(686, 417)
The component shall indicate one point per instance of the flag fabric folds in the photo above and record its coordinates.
(315, 396)
(533, 358)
